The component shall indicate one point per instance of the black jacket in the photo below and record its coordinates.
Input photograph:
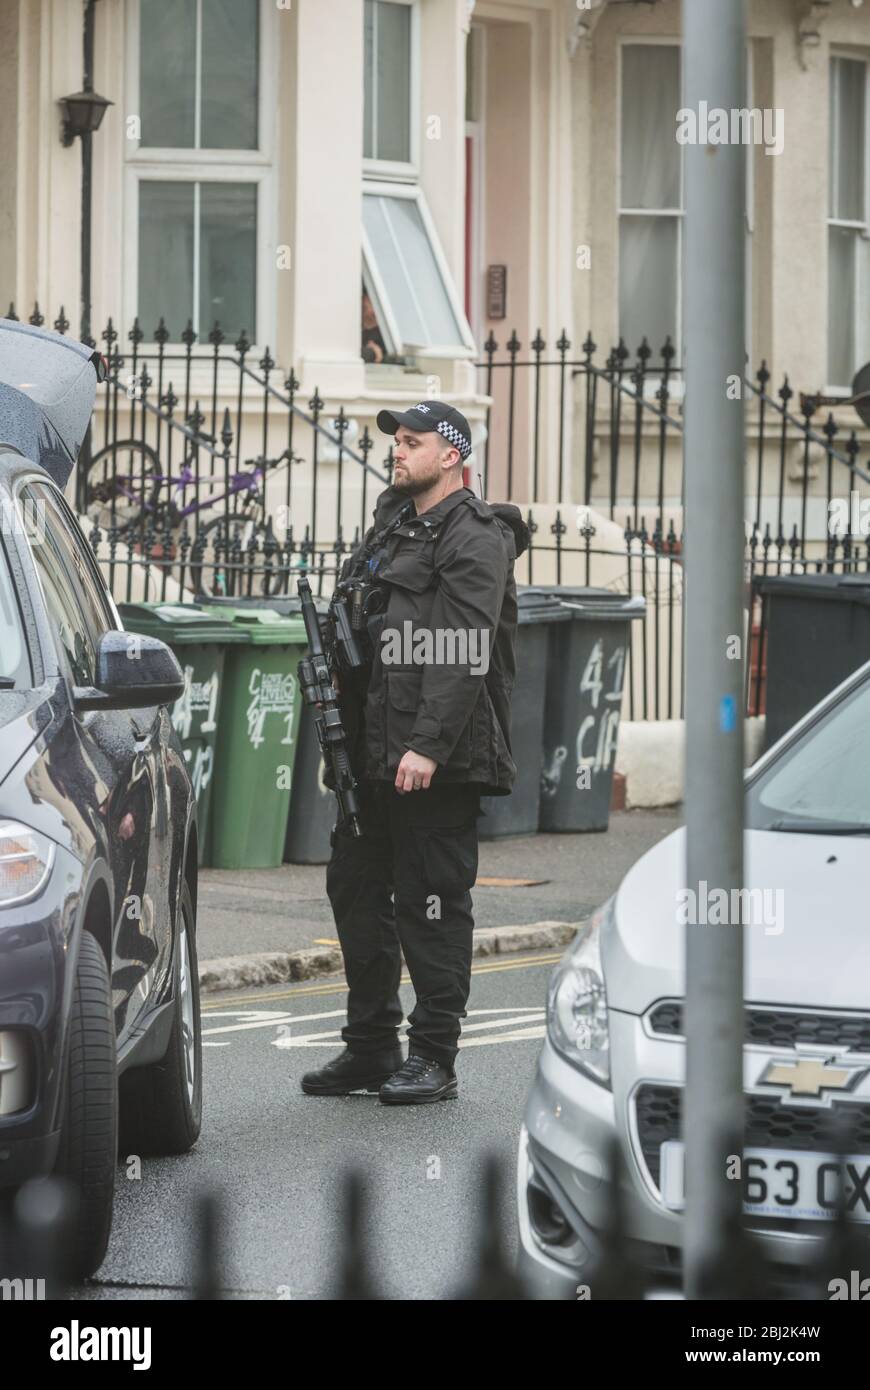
(448, 571)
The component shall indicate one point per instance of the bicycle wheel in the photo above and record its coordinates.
(247, 567)
(123, 485)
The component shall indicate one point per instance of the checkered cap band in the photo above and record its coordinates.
(456, 437)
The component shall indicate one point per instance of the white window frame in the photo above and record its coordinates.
(382, 306)
(861, 227)
(653, 376)
(403, 170)
(254, 166)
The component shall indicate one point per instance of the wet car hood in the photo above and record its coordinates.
(821, 957)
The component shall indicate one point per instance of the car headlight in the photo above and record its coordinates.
(577, 1003)
(26, 858)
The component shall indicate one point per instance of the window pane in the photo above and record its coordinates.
(387, 115)
(650, 101)
(13, 655)
(847, 139)
(406, 261)
(78, 624)
(228, 249)
(165, 255)
(648, 282)
(841, 305)
(167, 64)
(230, 44)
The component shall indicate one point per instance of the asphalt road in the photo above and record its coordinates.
(276, 1157)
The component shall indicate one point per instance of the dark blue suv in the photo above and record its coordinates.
(99, 997)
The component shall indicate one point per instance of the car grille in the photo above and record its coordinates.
(769, 1124)
(780, 1027)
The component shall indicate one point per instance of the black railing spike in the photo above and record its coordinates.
(613, 1273)
(493, 1277)
(37, 319)
(355, 1283)
(12, 316)
(61, 323)
(206, 1252)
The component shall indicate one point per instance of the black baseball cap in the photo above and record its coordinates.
(431, 416)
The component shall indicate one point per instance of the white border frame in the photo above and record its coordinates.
(207, 166)
(399, 170)
(413, 192)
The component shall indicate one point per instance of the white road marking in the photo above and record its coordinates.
(272, 1021)
(321, 1039)
(270, 1018)
(505, 1037)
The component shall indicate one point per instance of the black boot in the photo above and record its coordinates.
(419, 1081)
(351, 1072)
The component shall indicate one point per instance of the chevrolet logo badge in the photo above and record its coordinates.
(810, 1076)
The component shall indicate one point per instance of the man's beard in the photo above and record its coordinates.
(412, 487)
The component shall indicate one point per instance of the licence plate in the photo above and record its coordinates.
(787, 1183)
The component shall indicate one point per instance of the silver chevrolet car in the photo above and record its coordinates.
(613, 1063)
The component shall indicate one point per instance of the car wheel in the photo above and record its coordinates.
(89, 1128)
(161, 1104)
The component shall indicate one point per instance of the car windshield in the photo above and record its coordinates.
(14, 664)
(821, 784)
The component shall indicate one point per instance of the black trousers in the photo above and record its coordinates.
(404, 884)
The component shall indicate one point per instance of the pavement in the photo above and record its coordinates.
(268, 926)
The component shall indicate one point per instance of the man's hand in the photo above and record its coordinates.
(414, 772)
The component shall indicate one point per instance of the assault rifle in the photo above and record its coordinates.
(315, 678)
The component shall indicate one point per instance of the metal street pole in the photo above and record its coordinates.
(714, 347)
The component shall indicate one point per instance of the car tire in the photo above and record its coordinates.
(161, 1104)
(87, 1153)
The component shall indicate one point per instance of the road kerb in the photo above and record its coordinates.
(282, 967)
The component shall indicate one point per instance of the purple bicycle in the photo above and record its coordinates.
(128, 495)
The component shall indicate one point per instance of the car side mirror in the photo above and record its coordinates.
(133, 672)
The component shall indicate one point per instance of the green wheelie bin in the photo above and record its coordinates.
(199, 640)
(257, 738)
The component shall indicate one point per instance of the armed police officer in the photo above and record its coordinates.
(429, 730)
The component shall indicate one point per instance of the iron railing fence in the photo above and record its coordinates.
(187, 434)
(36, 1238)
(173, 481)
(613, 433)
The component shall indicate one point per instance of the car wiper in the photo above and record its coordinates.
(819, 827)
